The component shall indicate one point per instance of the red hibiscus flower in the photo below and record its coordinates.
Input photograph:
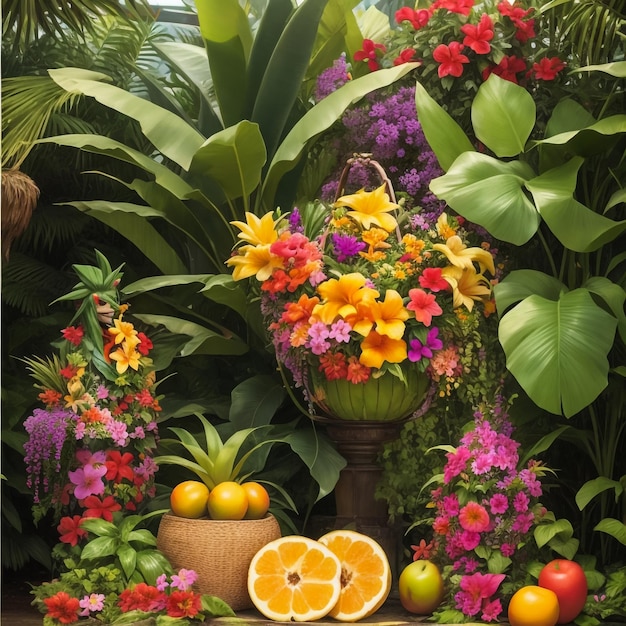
(142, 597)
(63, 607)
(478, 36)
(145, 345)
(525, 31)
(183, 604)
(418, 19)
(463, 7)
(547, 68)
(406, 56)
(450, 59)
(370, 53)
(73, 334)
(508, 69)
(118, 466)
(69, 371)
(70, 531)
(101, 508)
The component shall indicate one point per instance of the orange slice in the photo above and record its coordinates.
(294, 578)
(365, 574)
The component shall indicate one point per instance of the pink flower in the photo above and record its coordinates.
(521, 502)
(88, 480)
(450, 59)
(423, 305)
(476, 588)
(474, 517)
(456, 463)
(431, 279)
(469, 540)
(184, 579)
(498, 503)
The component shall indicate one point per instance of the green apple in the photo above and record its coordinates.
(421, 587)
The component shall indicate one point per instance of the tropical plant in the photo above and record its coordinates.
(562, 323)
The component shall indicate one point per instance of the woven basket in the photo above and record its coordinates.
(220, 551)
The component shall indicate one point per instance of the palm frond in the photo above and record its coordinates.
(25, 20)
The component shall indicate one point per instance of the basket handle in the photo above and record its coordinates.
(364, 158)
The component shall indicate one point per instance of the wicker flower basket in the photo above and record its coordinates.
(220, 551)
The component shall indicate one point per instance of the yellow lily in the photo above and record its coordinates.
(370, 208)
(254, 260)
(376, 349)
(124, 331)
(125, 357)
(467, 286)
(388, 316)
(257, 231)
(460, 255)
(342, 296)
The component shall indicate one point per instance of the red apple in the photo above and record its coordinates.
(421, 587)
(567, 579)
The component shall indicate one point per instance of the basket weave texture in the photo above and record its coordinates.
(220, 551)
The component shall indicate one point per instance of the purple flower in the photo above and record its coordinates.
(346, 246)
(332, 78)
(340, 331)
(418, 349)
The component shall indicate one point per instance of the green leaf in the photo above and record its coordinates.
(520, 284)
(99, 527)
(576, 226)
(557, 350)
(546, 532)
(100, 547)
(445, 137)
(596, 486)
(255, 401)
(286, 69)
(128, 559)
(234, 158)
(142, 535)
(172, 136)
(227, 37)
(152, 563)
(202, 340)
(503, 116)
(490, 193)
(613, 527)
(614, 69)
(614, 296)
(216, 607)
(224, 463)
(543, 444)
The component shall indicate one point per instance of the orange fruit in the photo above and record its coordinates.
(189, 499)
(228, 501)
(294, 578)
(365, 574)
(533, 606)
(258, 500)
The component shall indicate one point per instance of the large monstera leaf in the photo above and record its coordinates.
(556, 344)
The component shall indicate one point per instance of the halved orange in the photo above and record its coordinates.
(294, 578)
(365, 574)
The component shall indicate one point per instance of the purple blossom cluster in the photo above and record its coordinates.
(485, 510)
(47, 431)
(332, 78)
(386, 126)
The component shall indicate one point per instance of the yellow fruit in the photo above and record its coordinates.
(189, 499)
(294, 578)
(258, 500)
(228, 500)
(365, 574)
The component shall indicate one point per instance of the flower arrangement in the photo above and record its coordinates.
(170, 600)
(364, 287)
(88, 452)
(486, 510)
(460, 43)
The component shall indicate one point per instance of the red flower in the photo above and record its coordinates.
(69, 371)
(418, 19)
(478, 36)
(183, 604)
(508, 69)
(464, 7)
(144, 397)
(145, 345)
(50, 397)
(118, 466)
(101, 508)
(548, 68)
(63, 607)
(334, 366)
(73, 334)
(514, 11)
(525, 31)
(423, 550)
(406, 56)
(70, 531)
(450, 59)
(142, 597)
(369, 53)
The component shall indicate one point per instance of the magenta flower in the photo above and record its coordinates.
(340, 331)
(498, 503)
(475, 589)
(87, 480)
(184, 579)
(417, 349)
